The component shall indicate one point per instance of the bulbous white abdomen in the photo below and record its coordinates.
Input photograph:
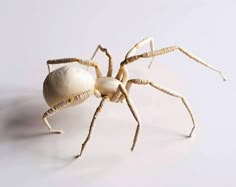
(66, 82)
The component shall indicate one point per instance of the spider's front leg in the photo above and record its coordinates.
(163, 51)
(121, 90)
(109, 56)
(99, 109)
(123, 73)
(165, 90)
(140, 44)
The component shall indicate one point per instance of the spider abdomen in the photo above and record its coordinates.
(66, 82)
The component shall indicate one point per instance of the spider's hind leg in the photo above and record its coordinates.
(62, 105)
(88, 63)
(52, 111)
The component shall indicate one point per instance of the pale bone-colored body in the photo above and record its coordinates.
(69, 81)
(66, 82)
(71, 85)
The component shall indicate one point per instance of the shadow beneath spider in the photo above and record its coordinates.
(24, 131)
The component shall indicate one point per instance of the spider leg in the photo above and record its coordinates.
(168, 50)
(61, 106)
(80, 61)
(134, 112)
(122, 74)
(121, 97)
(99, 109)
(167, 91)
(108, 54)
(138, 45)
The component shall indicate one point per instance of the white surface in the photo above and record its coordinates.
(35, 31)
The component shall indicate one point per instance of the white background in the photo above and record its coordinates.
(34, 31)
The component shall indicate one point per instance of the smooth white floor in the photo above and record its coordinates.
(33, 32)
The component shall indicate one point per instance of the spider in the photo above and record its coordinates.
(71, 85)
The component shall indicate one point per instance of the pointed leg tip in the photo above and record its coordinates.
(223, 77)
(57, 131)
(77, 156)
(190, 135)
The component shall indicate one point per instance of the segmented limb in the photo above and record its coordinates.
(165, 51)
(138, 45)
(134, 112)
(80, 61)
(108, 54)
(167, 91)
(122, 74)
(61, 106)
(99, 109)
